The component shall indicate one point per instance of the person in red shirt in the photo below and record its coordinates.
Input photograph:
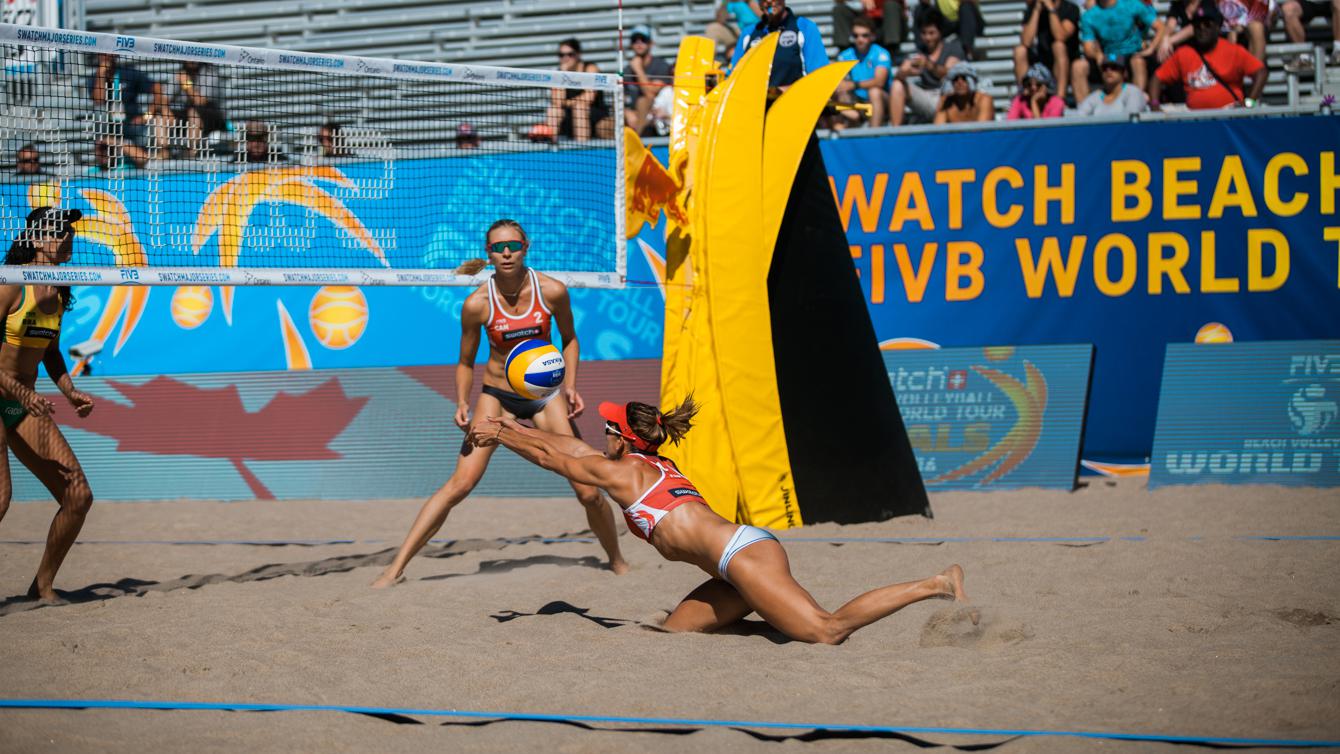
(1211, 69)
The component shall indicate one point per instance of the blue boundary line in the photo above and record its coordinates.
(783, 538)
(659, 721)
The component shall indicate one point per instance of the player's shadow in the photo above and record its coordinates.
(559, 607)
(20, 603)
(505, 566)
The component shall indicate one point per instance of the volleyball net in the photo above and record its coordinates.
(201, 164)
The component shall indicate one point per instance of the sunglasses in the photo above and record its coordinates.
(562, 55)
(862, 36)
(612, 429)
(639, 38)
(498, 247)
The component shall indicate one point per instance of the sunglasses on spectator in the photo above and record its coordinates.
(498, 247)
(566, 54)
(640, 38)
(862, 36)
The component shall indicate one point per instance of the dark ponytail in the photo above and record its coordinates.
(24, 251)
(651, 425)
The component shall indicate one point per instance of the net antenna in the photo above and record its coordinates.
(201, 164)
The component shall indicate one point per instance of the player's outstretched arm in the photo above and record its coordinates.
(547, 450)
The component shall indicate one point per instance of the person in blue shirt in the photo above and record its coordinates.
(800, 46)
(731, 17)
(1115, 27)
(868, 80)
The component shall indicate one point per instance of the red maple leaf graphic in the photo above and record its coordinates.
(169, 417)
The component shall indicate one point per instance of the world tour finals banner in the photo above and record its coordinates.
(1127, 236)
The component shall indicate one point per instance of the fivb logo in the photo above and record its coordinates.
(125, 44)
(1314, 365)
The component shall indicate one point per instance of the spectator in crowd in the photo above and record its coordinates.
(731, 17)
(466, 137)
(195, 101)
(646, 76)
(27, 161)
(1210, 69)
(1117, 97)
(868, 81)
(108, 158)
(1177, 29)
(1037, 95)
(963, 102)
(1049, 36)
(1115, 27)
(918, 79)
(575, 113)
(330, 138)
(960, 17)
(1247, 18)
(120, 89)
(800, 46)
(259, 150)
(1298, 14)
(889, 22)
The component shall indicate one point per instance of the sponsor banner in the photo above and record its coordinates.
(401, 307)
(1129, 236)
(1249, 413)
(347, 434)
(993, 417)
(301, 61)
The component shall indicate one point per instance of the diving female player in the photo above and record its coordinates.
(516, 304)
(749, 569)
(32, 337)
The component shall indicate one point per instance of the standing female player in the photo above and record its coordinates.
(749, 568)
(517, 304)
(32, 337)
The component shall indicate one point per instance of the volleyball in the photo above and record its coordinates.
(338, 316)
(535, 369)
(191, 306)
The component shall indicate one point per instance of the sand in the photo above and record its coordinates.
(1171, 620)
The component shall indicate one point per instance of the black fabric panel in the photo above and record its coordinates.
(850, 456)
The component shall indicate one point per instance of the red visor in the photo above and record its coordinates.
(617, 415)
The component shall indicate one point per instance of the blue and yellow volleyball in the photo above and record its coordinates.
(535, 369)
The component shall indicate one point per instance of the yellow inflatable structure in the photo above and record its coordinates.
(732, 161)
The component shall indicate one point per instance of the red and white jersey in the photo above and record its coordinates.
(506, 330)
(672, 490)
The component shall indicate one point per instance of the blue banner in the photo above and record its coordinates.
(355, 213)
(1258, 413)
(993, 417)
(1127, 236)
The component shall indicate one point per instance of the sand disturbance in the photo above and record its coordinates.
(1108, 609)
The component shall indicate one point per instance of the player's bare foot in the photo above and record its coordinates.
(387, 580)
(45, 596)
(620, 566)
(954, 575)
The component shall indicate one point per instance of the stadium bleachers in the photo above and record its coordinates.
(510, 33)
